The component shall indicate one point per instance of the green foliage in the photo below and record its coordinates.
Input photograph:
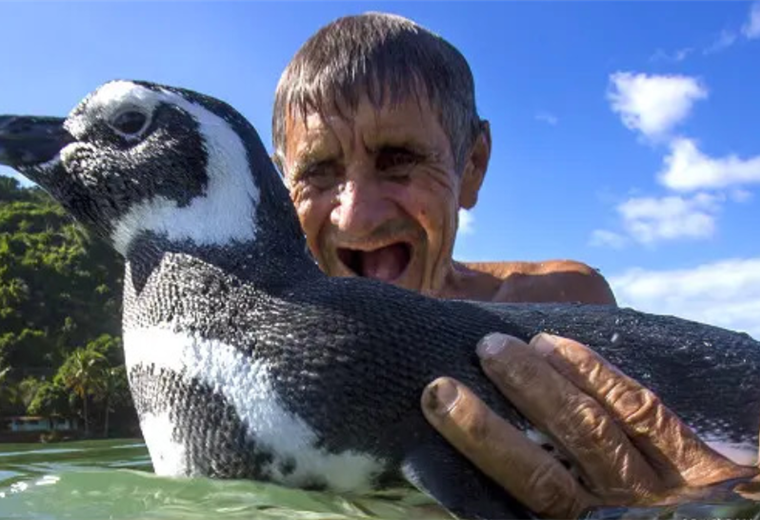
(110, 347)
(27, 389)
(60, 310)
(29, 348)
(83, 373)
(114, 393)
(50, 399)
(8, 392)
(54, 278)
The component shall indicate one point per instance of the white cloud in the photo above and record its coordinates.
(751, 29)
(686, 168)
(603, 237)
(546, 117)
(724, 293)
(649, 219)
(678, 55)
(653, 104)
(740, 195)
(724, 40)
(466, 222)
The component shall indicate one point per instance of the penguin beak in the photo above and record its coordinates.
(29, 141)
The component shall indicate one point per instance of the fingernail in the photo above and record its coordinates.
(492, 345)
(544, 343)
(440, 396)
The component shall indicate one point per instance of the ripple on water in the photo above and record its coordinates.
(113, 480)
(47, 451)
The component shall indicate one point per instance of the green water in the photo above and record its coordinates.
(113, 480)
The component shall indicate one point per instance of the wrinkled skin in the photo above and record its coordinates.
(630, 449)
(378, 195)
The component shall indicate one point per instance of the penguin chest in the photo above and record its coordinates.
(207, 408)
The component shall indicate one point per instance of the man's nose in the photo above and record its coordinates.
(361, 208)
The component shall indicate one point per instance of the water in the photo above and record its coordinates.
(113, 480)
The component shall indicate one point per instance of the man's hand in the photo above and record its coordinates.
(628, 448)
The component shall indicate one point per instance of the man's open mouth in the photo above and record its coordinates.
(386, 263)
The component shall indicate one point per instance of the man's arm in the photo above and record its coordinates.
(549, 281)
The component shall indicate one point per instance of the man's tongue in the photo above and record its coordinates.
(384, 264)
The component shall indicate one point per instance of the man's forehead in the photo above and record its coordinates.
(305, 134)
(403, 119)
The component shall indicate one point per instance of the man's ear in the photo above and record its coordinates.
(475, 167)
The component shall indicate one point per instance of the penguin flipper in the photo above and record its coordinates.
(437, 469)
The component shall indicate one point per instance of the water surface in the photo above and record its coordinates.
(113, 480)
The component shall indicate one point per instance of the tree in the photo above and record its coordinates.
(115, 392)
(110, 346)
(82, 373)
(8, 392)
(3, 376)
(50, 399)
(27, 390)
(60, 288)
(9, 188)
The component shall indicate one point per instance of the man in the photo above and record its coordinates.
(377, 135)
(381, 150)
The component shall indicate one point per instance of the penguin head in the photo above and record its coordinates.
(136, 157)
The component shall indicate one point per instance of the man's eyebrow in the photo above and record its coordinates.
(412, 145)
(309, 159)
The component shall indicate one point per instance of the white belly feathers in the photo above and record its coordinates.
(246, 385)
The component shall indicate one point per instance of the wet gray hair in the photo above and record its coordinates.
(388, 58)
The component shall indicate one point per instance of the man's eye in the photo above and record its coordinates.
(396, 161)
(321, 176)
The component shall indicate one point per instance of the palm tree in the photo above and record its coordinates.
(7, 394)
(82, 372)
(113, 389)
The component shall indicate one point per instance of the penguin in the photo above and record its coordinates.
(245, 361)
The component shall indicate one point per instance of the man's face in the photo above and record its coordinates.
(377, 195)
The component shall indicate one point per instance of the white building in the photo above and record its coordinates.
(39, 424)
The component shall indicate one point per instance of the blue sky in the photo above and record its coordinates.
(624, 132)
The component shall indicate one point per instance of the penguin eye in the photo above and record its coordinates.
(129, 122)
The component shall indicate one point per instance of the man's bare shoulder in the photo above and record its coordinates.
(506, 269)
(548, 281)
